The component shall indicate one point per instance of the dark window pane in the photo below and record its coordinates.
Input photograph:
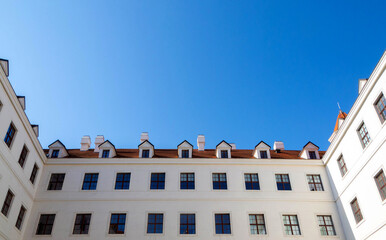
(157, 181)
(381, 184)
(7, 203)
(283, 182)
(90, 181)
(312, 154)
(223, 225)
(185, 153)
(187, 181)
(23, 156)
(56, 181)
(45, 225)
(9, 136)
(155, 223)
(145, 153)
(55, 153)
(117, 223)
(105, 153)
(20, 217)
(34, 173)
(82, 224)
(219, 181)
(122, 181)
(224, 153)
(263, 154)
(252, 181)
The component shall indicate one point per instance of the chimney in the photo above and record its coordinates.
(233, 145)
(85, 143)
(201, 142)
(21, 101)
(36, 129)
(144, 136)
(278, 146)
(4, 64)
(98, 141)
(361, 84)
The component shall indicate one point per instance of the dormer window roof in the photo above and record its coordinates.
(185, 150)
(262, 150)
(310, 151)
(146, 149)
(223, 150)
(57, 150)
(107, 150)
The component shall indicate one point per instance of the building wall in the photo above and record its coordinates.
(362, 163)
(140, 200)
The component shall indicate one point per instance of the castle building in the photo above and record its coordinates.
(195, 192)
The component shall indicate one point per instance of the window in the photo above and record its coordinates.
(20, 217)
(257, 224)
(342, 165)
(283, 182)
(117, 223)
(187, 181)
(312, 154)
(82, 224)
(46, 222)
(7, 203)
(155, 223)
(252, 181)
(23, 156)
(315, 182)
(55, 153)
(364, 135)
(9, 136)
(380, 105)
(224, 153)
(34, 173)
(145, 153)
(291, 225)
(185, 153)
(326, 226)
(122, 181)
(157, 181)
(263, 154)
(1, 105)
(219, 181)
(105, 153)
(187, 224)
(223, 223)
(356, 210)
(381, 183)
(56, 181)
(90, 181)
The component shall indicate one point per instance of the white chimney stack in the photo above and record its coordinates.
(278, 146)
(201, 142)
(361, 84)
(144, 136)
(98, 141)
(233, 145)
(85, 143)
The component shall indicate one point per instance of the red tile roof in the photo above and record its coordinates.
(341, 115)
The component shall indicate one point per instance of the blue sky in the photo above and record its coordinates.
(242, 71)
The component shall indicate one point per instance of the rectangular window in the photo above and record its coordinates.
(315, 182)
(34, 173)
(145, 153)
(364, 135)
(356, 210)
(82, 223)
(291, 225)
(56, 181)
(7, 203)
(224, 153)
(326, 226)
(155, 223)
(381, 184)
(187, 224)
(263, 154)
(312, 154)
(257, 224)
(157, 181)
(55, 153)
(185, 153)
(219, 181)
(20, 217)
(283, 182)
(46, 222)
(105, 153)
(10, 135)
(117, 223)
(223, 223)
(90, 181)
(122, 181)
(187, 181)
(342, 165)
(252, 181)
(23, 156)
(1, 105)
(380, 105)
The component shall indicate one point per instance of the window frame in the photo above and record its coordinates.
(84, 177)
(7, 204)
(115, 182)
(381, 193)
(366, 136)
(145, 155)
(105, 151)
(265, 224)
(292, 230)
(11, 136)
(344, 166)
(215, 224)
(56, 183)
(381, 118)
(55, 153)
(325, 225)
(74, 224)
(18, 220)
(34, 174)
(226, 181)
(261, 155)
(314, 183)
(38, 223)
(23, 156)
(355, 199)
(281, 177)
(109, 223)
(195, 224)
(245, 181)
(312, 156)
(187, 181)
(183, 153)
(225, 152)
(155, 223)
(157, 189)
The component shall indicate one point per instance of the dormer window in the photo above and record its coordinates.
(262, 151)
(55, 153)
(310, 151)
(224, 153)
(185, 149)
(185, 153)
(263, 154)
(105, 153)
(145, 153)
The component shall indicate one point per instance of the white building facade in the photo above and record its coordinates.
(192, 193)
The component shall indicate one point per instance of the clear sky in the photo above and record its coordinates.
(242, 71)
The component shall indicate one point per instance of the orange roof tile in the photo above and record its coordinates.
(341, 115)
